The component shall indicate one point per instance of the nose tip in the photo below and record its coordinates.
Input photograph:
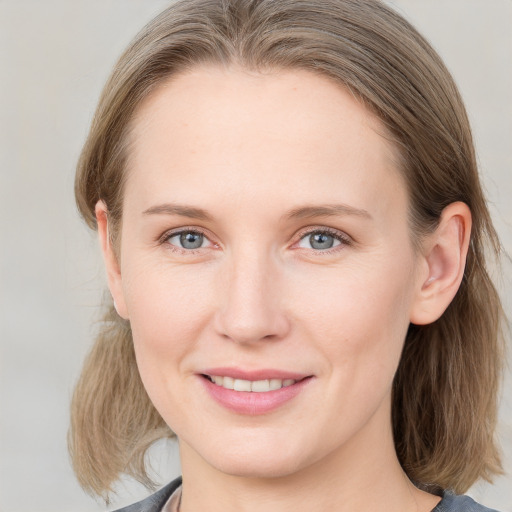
(250, 308)
(246, 327)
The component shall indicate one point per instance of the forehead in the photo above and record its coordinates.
(291, 130)
(291, 102)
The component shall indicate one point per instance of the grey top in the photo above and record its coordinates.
(449, 503)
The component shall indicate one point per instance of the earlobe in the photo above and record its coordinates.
(445, 252)
(111, 262)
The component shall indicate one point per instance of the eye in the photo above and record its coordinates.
(322, 240)
(187, 240)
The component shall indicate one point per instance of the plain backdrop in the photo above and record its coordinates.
(54, 58)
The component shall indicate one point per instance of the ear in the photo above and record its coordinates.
(444, 258)
(112, 266)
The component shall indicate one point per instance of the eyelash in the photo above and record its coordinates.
(341, 237)
(344, 239)
(164, 240)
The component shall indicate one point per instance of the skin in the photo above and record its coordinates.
(248, 149)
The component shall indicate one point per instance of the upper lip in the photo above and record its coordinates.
(253, 375)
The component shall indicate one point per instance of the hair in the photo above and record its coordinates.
(444, 409)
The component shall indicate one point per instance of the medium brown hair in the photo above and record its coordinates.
(445, 390)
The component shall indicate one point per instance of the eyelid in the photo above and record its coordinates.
(163, 239)
(345, 239)
(342, 237)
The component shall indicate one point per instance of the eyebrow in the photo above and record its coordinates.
(178, 209)
(328, 210)
(303, 212)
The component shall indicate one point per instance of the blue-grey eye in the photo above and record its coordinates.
(319, 241)
(191, 240)
(187, 240)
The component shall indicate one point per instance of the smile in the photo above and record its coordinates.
(253, 392)
(254, 386)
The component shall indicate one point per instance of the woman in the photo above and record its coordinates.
(293, 228)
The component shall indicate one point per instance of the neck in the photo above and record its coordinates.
(359, 476)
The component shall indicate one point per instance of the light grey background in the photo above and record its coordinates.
(54, 57)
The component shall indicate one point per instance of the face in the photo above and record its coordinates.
(265, 247)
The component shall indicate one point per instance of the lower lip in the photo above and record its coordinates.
(253, 403)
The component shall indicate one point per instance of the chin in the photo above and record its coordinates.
(262, 462)
(262, 468)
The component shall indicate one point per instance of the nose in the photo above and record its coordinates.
(250, 303)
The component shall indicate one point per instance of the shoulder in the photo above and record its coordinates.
(155, 502)
(450, 502)
(454, 503)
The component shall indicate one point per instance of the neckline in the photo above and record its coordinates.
(173, 501)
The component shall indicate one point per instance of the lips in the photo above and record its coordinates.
(255, 386)
(253, 392)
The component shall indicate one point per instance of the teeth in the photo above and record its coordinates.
(260, 386)
(256, 386)
(242, 385)
(275, 384)
(227, 382)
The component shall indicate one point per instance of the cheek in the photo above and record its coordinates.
(358, 316)
(359, 326)
(367, 296)
(168, 311)
(165, 303)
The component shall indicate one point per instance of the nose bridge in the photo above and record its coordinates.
(250, 308)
